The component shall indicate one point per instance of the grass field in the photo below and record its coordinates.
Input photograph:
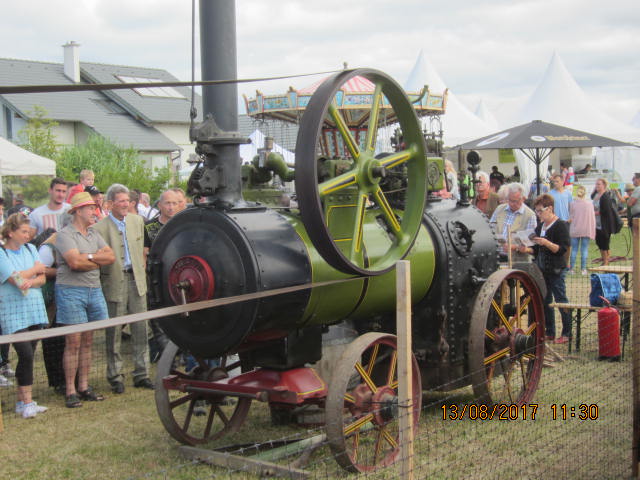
(122, 437)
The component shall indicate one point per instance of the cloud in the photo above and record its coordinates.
(490, 49)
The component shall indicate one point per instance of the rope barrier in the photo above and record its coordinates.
(6, 90)
(161, 312)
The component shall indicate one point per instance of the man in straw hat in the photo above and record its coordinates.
(81, 251)
(124, 284)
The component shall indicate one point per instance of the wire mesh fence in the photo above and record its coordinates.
(578, 425)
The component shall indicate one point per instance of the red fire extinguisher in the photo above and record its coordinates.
(608, 333)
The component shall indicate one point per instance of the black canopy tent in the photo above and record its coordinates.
(537, 139)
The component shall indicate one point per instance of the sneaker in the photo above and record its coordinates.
(570, 271)
(561, 340)
(7, 371)
(117, 388)
(30, 410)
(584, 272)
(4, 381)
(21, 406)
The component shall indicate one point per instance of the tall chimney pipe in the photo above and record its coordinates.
(217, 136)
(218, 57)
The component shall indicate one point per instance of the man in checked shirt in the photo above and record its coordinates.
(514, 214)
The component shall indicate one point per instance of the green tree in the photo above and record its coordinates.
(111, 164)
(37, 136)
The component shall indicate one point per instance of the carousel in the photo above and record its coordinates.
(354, 104)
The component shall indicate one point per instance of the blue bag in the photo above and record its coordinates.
(605, 285)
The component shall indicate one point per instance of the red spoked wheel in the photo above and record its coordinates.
(195, 418)
(362, 411)
(506, 339)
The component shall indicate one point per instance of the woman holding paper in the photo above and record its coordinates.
(551, 244)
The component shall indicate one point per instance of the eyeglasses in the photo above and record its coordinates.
(540, 210)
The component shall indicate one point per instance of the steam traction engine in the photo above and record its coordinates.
(472, 322)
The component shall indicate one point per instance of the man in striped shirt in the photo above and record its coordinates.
(513, 216)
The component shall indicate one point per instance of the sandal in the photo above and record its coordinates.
(72, 401)
(90, 396)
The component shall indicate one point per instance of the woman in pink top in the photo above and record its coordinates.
(582, 227)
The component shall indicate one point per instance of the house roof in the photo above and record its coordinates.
(126, 125)
(158, 109)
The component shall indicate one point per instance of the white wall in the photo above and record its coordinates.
(178, 134)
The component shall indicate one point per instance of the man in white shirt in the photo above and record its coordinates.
(50, 215)
(145, 210)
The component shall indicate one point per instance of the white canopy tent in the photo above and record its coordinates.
(559, 99)
(458, 123)
(18, 161)
(486, 115)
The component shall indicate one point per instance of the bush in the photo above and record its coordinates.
(111, 164)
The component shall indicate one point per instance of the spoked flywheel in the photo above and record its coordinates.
(362, 408)
(345, 213)
(506, 339)
(195, 417)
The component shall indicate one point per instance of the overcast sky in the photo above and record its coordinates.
(492, 49)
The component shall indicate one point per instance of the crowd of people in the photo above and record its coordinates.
(80, 257)
(559, 220)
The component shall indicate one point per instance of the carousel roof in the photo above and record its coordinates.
(354, 99)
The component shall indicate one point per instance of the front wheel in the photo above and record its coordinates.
(195, 418)
(362, 411)
(506, 339)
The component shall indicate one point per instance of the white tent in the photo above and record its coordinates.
(484, 114)
(458, 123)
(18, 161)
(559, 99)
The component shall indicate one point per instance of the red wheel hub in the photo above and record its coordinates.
(385, 403)
(193, 276)
(362, 397)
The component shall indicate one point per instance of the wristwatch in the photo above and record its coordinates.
(90, 257)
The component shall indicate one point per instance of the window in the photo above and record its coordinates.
(167, 92)
(8, 122)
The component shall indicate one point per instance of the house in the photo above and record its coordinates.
(154, 121)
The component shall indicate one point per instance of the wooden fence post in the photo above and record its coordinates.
(635, 346)
(405, 367)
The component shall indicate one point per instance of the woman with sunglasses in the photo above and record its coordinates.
(22, 307)
(551, 246)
